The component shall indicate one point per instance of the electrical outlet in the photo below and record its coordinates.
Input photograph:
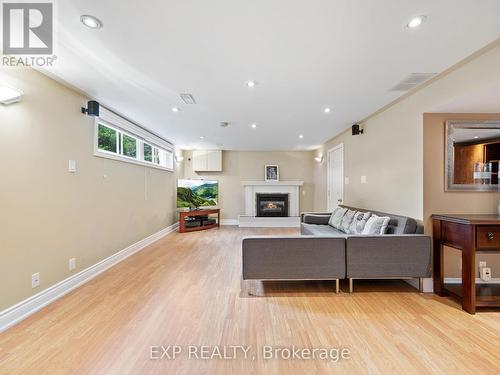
(485, 274)
(35, 280)
(72, 264)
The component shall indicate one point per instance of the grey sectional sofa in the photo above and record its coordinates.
(323, 252)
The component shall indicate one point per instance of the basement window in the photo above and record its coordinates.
(116, 138)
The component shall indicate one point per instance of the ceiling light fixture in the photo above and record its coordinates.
(251, 84)
(91, 21)
(9, 95)
(301, 136)
(175, 109)
(202, 137)
(327, 110)
(416, 22)
(319, 159)
(254, 126)
(476, 137)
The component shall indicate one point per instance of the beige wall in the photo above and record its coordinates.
(390, 153)
(437, 201)
(49, 215)
(249, 165)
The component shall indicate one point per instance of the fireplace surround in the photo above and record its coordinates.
(251, 188)
(272, 205)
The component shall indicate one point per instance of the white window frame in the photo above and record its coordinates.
(123, 126)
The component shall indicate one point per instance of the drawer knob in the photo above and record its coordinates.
(490, 235)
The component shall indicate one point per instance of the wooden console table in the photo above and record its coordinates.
(470, 234)
(184, 214)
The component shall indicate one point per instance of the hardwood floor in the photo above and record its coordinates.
(185, 290)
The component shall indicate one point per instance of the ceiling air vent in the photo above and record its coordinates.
(188, 99)
(413, 80)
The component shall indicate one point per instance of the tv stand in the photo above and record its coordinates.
(190, 221)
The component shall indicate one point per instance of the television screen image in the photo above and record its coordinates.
(197, 193)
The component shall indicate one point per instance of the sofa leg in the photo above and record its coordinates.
(351, 285)
(337, 287)
(421, 284)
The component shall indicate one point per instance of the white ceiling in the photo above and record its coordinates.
(305, 55)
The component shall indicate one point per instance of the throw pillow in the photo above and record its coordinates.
(336, 218)
(359, 222)
(376, 225)
(347, 220)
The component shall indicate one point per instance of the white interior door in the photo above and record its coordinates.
(335, 177)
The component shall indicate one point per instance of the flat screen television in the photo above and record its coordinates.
(197, 193)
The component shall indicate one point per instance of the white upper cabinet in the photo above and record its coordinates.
(207, 161)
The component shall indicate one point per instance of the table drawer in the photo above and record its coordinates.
(488, 237)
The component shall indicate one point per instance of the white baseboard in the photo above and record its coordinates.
(23, 309)
(458, 280)
(428, 286)
(229, 222)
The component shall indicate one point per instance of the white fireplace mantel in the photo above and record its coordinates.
(272, 183)
(252, 188)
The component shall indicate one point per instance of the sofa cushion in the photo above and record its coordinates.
(320, 230)
(336, 218)
(358, 222)
(315, 219)
(398, 224)
(376, 225)
(347, 220)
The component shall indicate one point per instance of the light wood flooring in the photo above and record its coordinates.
(186, 290)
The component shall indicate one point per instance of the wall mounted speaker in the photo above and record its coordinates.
(92, 108)
(356, 130)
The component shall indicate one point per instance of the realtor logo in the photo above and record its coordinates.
(27, 28)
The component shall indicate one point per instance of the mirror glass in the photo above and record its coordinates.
(472, 155)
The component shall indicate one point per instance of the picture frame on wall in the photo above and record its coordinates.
(272, 173)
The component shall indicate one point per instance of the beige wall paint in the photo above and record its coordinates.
(437, 201)
(249, 165)
(390, 153)
(50, 215)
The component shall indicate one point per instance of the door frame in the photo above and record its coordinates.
(329, 204)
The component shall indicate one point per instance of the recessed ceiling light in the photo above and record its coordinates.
(301, 136)
(175, 109)
(476, 137)
(416, 22)
(251, 83)
(254, 126)
(327, 110)
(202, 137)
(91, 21)
(9, 95)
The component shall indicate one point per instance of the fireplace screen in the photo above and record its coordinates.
(272, 205)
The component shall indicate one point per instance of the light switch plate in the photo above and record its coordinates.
(72, 166)
(364, 179)
(346, 180)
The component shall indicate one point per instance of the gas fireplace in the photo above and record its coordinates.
(272, 205)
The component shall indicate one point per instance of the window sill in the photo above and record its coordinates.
(130, 161)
